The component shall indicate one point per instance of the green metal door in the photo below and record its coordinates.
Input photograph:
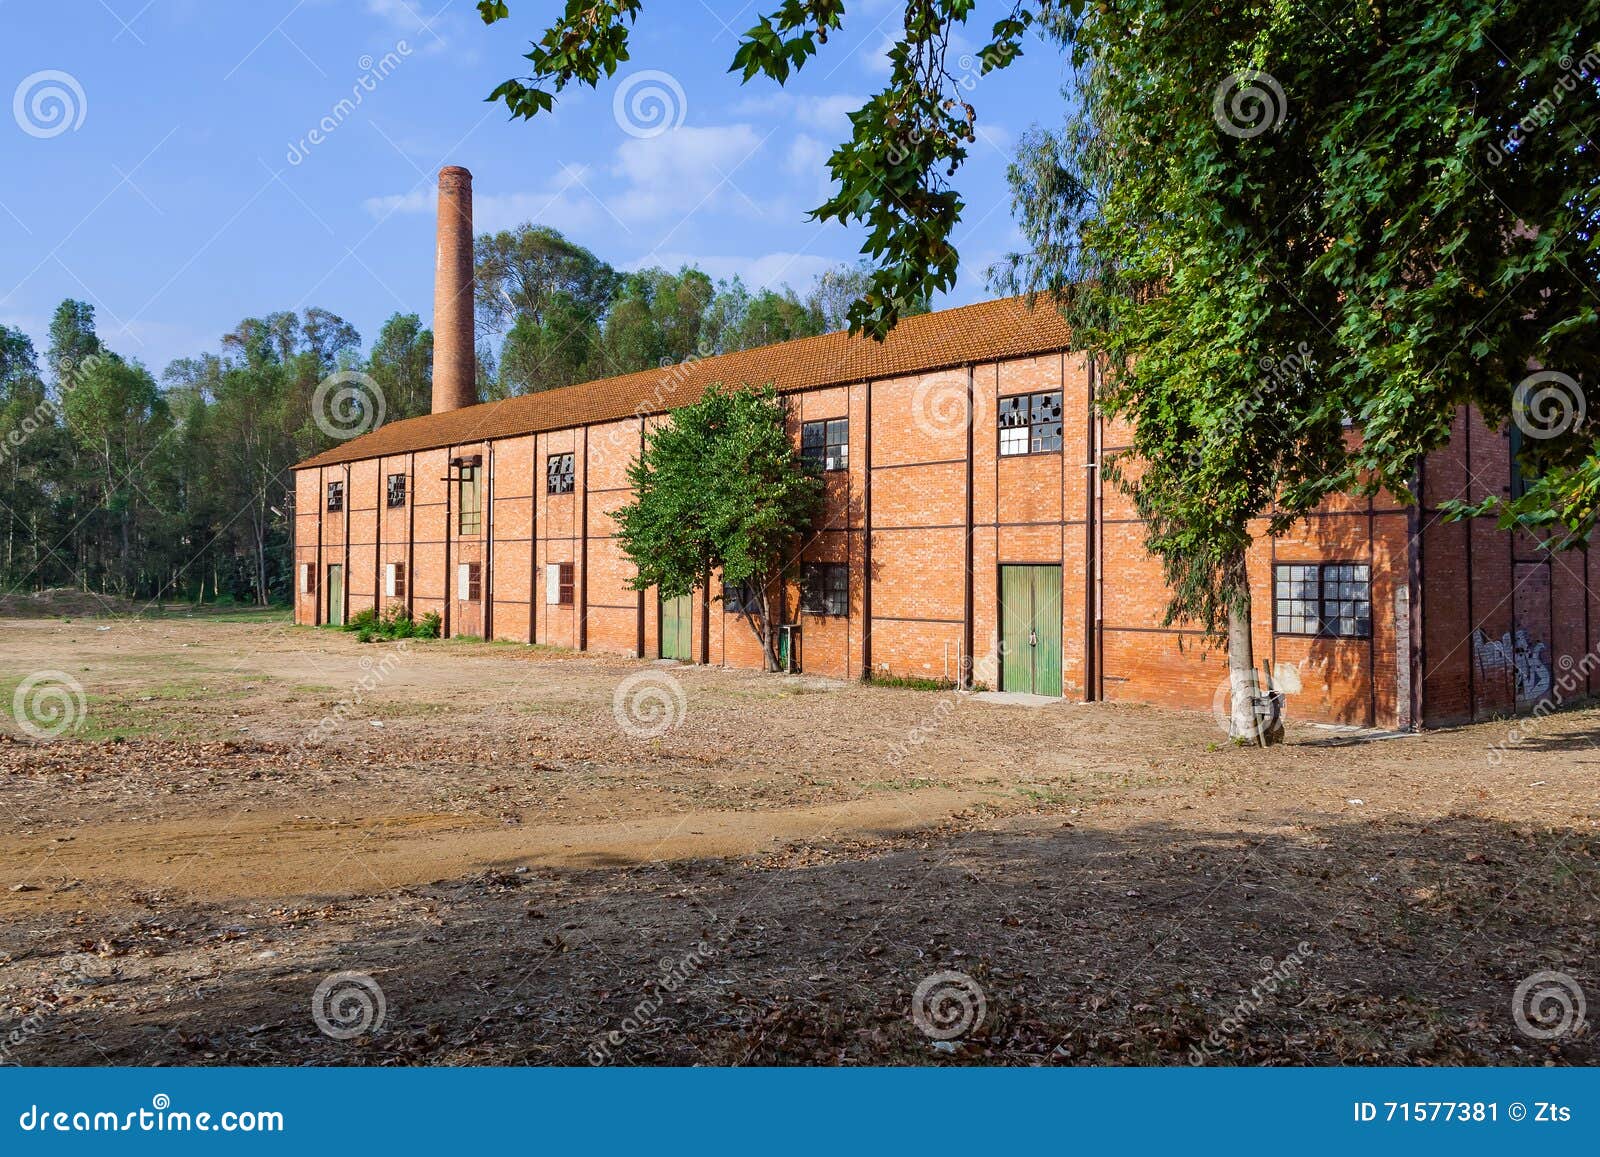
(336, 596)
(1030, 629)
(675, 618)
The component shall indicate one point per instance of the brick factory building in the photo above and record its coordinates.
(964, 517)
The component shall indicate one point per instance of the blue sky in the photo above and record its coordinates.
(178, 187)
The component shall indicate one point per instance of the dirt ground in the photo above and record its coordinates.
(793, 871)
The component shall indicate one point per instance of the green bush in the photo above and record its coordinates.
(362, 622)
(394, 623)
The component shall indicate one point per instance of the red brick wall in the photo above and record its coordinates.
(1506, 626)
(929, 508)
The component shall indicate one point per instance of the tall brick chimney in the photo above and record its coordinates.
(454, 361)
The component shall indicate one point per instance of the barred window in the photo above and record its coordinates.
(1333, 599)
(336, 496)
(825, 588)
(826, 443)
(560, 474)
(397, 490)
(1030, 424)
(740, 598)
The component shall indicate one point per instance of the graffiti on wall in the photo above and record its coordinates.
(1513, 652)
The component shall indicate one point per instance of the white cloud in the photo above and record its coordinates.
(682, 171)
(565, 204)
(764, 271)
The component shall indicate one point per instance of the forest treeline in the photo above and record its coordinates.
(176, 487)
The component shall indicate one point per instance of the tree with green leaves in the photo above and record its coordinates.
(907, 140)
(720, 486)
(401, 362)
(1288, 218)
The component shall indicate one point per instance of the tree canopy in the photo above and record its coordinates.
(720, 485)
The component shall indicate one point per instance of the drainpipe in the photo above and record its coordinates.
(1091, 546)
(965, 663)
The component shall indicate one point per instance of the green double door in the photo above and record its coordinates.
(336, 596)
(676, 615)
(1030, 629)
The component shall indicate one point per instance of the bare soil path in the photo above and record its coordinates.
(490, 833)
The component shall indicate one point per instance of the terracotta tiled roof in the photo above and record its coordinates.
(989, 331)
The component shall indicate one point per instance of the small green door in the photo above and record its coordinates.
(675, 617)
(1030, 629)
(336, 596)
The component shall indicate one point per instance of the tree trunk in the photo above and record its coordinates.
(1244, 684)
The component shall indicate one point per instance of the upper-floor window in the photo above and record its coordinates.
(336, 496)
(397, 490)
(559, 584)
(825, 588)
(741, 598)
(560, 474)
(1030, 423)
(826, 443)
(471, 497)
(1322, 599)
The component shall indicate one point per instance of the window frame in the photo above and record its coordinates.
(469, 479)
(394, 580)
(820, 594)
(740, 598)
(1030, 403)
(335, 497)
(472, 572)
(397, 494)
(570, 460)
(831, 456)
(1322, 599)
(566, 584)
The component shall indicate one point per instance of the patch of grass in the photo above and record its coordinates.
(912, 784)
(912, 682)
